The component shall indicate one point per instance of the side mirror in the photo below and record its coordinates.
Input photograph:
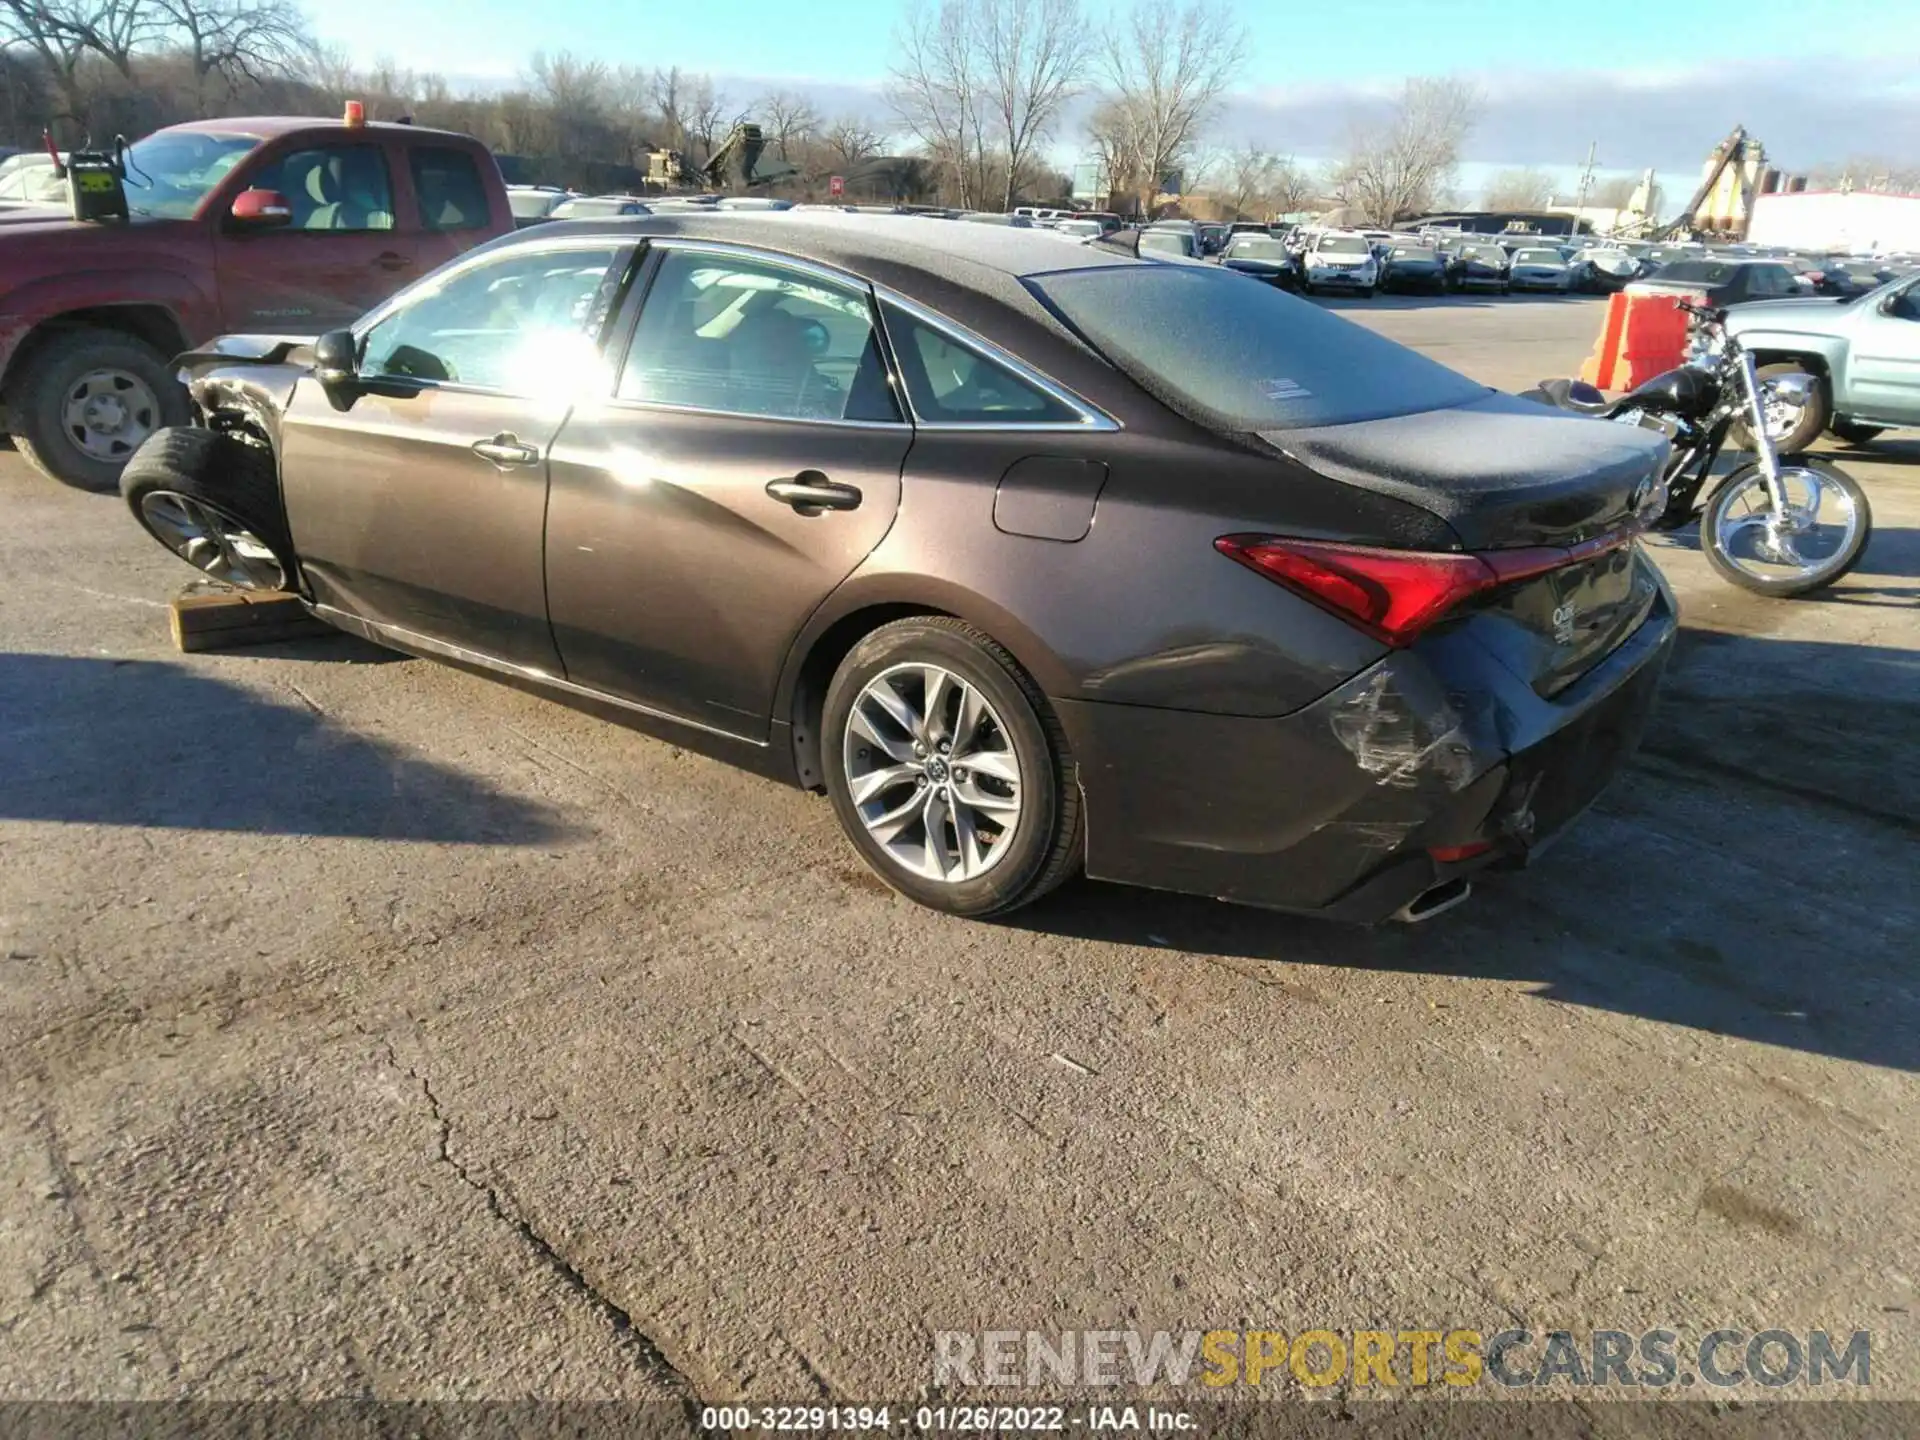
(336, 358)
(260, 210)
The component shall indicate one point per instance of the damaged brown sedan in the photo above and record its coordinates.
(1033, 557)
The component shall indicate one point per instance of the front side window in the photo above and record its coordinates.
(447, 184)
(951, 383)
(523, 320)
(752, 337)
(332, 187)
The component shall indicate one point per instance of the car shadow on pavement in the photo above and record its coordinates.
(1748, 876)
(88, 741)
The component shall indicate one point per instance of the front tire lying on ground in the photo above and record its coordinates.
(948, 770)
(86, 400)
(214, 501)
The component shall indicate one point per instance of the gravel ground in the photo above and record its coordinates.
(368, 1029)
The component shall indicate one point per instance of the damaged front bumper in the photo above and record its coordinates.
(1336, 809)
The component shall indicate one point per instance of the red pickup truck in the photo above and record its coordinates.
(290, 226)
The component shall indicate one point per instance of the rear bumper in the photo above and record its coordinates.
(1332, 810)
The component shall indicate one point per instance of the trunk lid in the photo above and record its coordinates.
(1546, 496)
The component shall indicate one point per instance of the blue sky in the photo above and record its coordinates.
(1656, 82)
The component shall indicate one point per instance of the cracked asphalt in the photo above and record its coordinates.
(369, 1029)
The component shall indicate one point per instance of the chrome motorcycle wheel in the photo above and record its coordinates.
(1818, 537)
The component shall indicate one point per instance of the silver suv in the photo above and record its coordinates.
(1865, 354)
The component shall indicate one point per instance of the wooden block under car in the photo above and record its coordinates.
(228, 619)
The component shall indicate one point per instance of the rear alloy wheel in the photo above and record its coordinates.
(947, 769)
(87, 400)
(1791, 426)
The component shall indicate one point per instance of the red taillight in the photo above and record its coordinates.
(1395, 594)
(1454, 854)
(1391, 594)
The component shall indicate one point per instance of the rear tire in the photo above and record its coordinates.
(1806, 430)
(213, 500)
(86, 400)
(862, 737)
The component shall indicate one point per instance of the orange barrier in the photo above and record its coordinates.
(1643, 336)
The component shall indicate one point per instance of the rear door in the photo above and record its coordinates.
(748, 462)
(1883, 362)
(342, 254)
(419, 502)
(450, 201)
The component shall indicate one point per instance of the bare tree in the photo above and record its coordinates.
(939, 92)
(1400, 164)
(1034, 59)
(236, 39)
(1874, 174)
(851, 142)
(1519, 190)
(56, 33)
(1165, 67)
(709, 114)
(786, 119)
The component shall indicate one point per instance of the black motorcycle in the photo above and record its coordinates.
(1771, 527)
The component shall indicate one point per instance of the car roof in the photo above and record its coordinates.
(271, 127)
(859, 243)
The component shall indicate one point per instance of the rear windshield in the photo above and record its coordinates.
(1241, 357)
(1707, 272)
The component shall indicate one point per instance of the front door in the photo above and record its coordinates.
(749, 461)
(341, 255)
(419, 499)
(1883, 360)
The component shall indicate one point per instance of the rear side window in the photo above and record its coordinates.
(1240, 357)
(752, 337)
(448, 186)
(951, 383)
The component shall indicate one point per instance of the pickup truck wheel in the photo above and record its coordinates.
(86, 401)
(1792, 428)
(213, 500)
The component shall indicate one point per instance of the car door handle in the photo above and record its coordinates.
(810, 492)
(506, 451)
(392, 260)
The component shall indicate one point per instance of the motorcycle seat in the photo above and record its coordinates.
(1575, 395)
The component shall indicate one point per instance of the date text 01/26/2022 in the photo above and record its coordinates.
(946, 1419)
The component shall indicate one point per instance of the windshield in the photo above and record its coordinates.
(1256, 249)
(169, 174)
(1413, 252)
(1539, 257)
(1491, 254)
(1343, 245)
(1241, 357)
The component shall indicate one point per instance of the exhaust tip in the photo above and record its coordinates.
(1438, 900)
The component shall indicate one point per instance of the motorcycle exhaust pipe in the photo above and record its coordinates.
(1437, 901)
